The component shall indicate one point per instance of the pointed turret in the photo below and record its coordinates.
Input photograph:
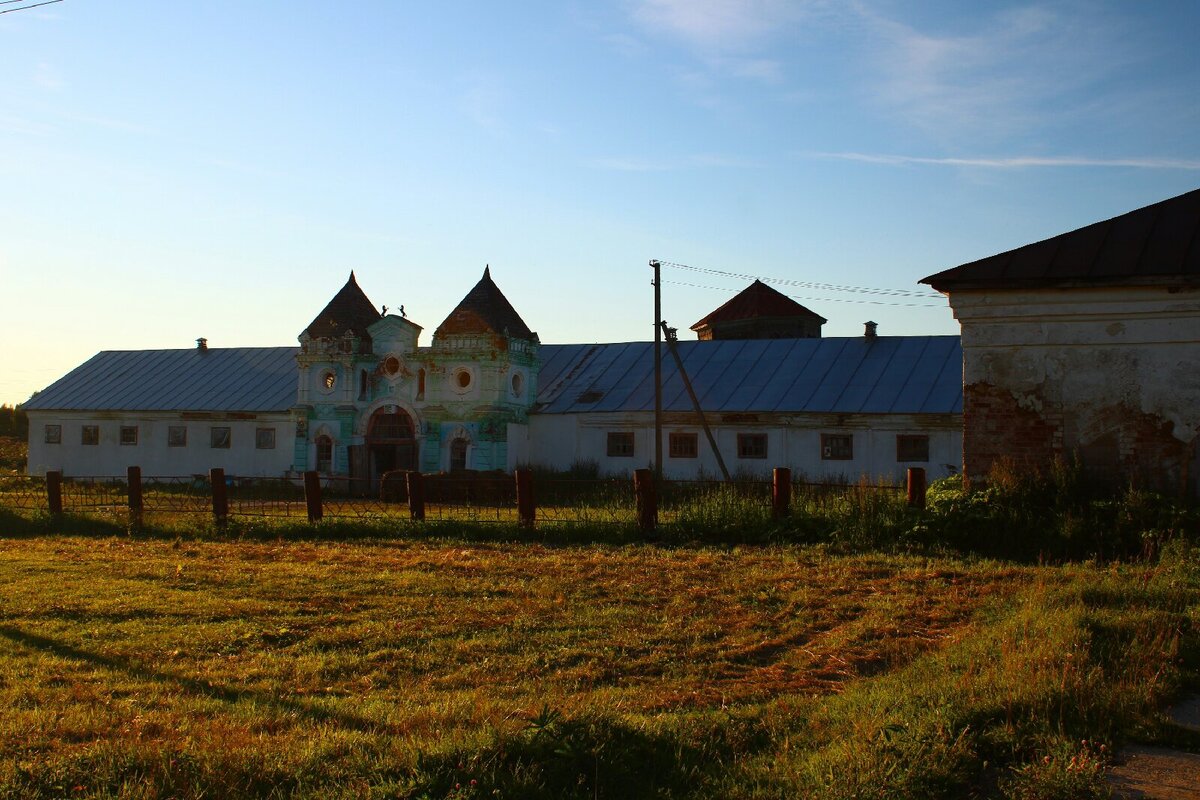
(348, 312)
(485, 310)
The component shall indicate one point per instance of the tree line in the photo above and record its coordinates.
(13, 421)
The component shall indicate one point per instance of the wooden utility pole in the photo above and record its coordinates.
(657, 266)
(687, 384)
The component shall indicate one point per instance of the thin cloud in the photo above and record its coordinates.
(1015, 162)
(715, 24)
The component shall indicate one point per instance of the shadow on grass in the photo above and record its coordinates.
(215, 691)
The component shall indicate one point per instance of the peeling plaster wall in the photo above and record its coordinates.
(1108, 375)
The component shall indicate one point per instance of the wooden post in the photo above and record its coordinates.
(416, 496)
(526, 508)
(916, 487)
(781, 493)
(312, 495)
(54, 491)
(220, 497)
(647, 499)
(134, 479)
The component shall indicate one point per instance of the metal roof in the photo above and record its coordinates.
(1152, 244)
(884, 375)
(225, 379)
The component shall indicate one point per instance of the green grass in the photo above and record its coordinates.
(416, 667)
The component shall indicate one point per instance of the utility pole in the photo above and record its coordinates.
(657, 267)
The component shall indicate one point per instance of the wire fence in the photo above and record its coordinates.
(484, 498)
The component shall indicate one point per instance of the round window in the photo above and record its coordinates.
(518, 384)
(391, 366)
(462, 379)
(328, 379)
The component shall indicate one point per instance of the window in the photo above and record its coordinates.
(912, 448)
(89, 434)
(462, 379)
(53, 434)
(219, 438)
(324, 454)
(420, 384)
(264, 439)
(177, 436)
(458, 455)
(683, 445)
(391, 366)
(129, 435)
(837, 446)
(328, 380)
(518, 384)
(620, 444)
(752, 445)
(363, 384)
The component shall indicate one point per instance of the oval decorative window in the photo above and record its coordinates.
(518, 384)
(328, 380)
(391, 366)
(462, 379)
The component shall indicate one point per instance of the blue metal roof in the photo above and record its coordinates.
(225, 379)
(885, 375)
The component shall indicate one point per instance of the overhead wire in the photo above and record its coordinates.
(24, 8)
(819, 286)
(816, 299)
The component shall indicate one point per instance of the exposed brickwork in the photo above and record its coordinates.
(1117, 443)
(996, 426)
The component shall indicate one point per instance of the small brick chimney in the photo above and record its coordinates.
(202, 344)
(869, 330)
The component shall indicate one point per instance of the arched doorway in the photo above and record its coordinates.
(458, 454)
(391, 441)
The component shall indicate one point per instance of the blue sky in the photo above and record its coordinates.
(216, 169)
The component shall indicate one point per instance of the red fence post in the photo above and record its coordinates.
(526, 508)
(312, 495)
(916, 487)
(54, 491)
(416, 496)
(647, 499)
(781, 493)
(134, 479)
(220, 497)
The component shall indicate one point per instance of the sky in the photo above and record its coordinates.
(176, 170)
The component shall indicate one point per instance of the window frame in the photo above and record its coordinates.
(324, 465)
(747, 446)
(677, 438)
(56, 438)
(89, 435)
(620, 444)
(123, 436)
(171, 435)
(214, 443)
(910, 440)
(831, 446)
(258, 438)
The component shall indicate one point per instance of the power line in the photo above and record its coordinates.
(827, 287)
(24, 8)
(816, 299)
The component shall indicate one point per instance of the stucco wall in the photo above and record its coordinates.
(1108, 375)
(109, 458)
(557, 441)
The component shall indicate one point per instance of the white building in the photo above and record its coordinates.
(361, 396)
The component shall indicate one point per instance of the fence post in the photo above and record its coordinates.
(312, 495)
(526, 509)
(416, 495)
(54, 491)
(220, 497)
(647, 499)
(916, 487)
(781, 493)
(134, 479)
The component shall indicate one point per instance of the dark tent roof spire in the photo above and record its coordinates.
(485, 309)
(349, 310)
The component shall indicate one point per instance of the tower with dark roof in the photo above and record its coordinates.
(760, 312)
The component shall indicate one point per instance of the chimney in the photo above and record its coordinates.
(202, 344)
(869, 331)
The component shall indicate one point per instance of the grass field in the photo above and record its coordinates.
(409, 668)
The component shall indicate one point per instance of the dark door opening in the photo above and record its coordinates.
(391, 439)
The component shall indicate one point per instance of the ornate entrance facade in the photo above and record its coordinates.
(391, 441)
